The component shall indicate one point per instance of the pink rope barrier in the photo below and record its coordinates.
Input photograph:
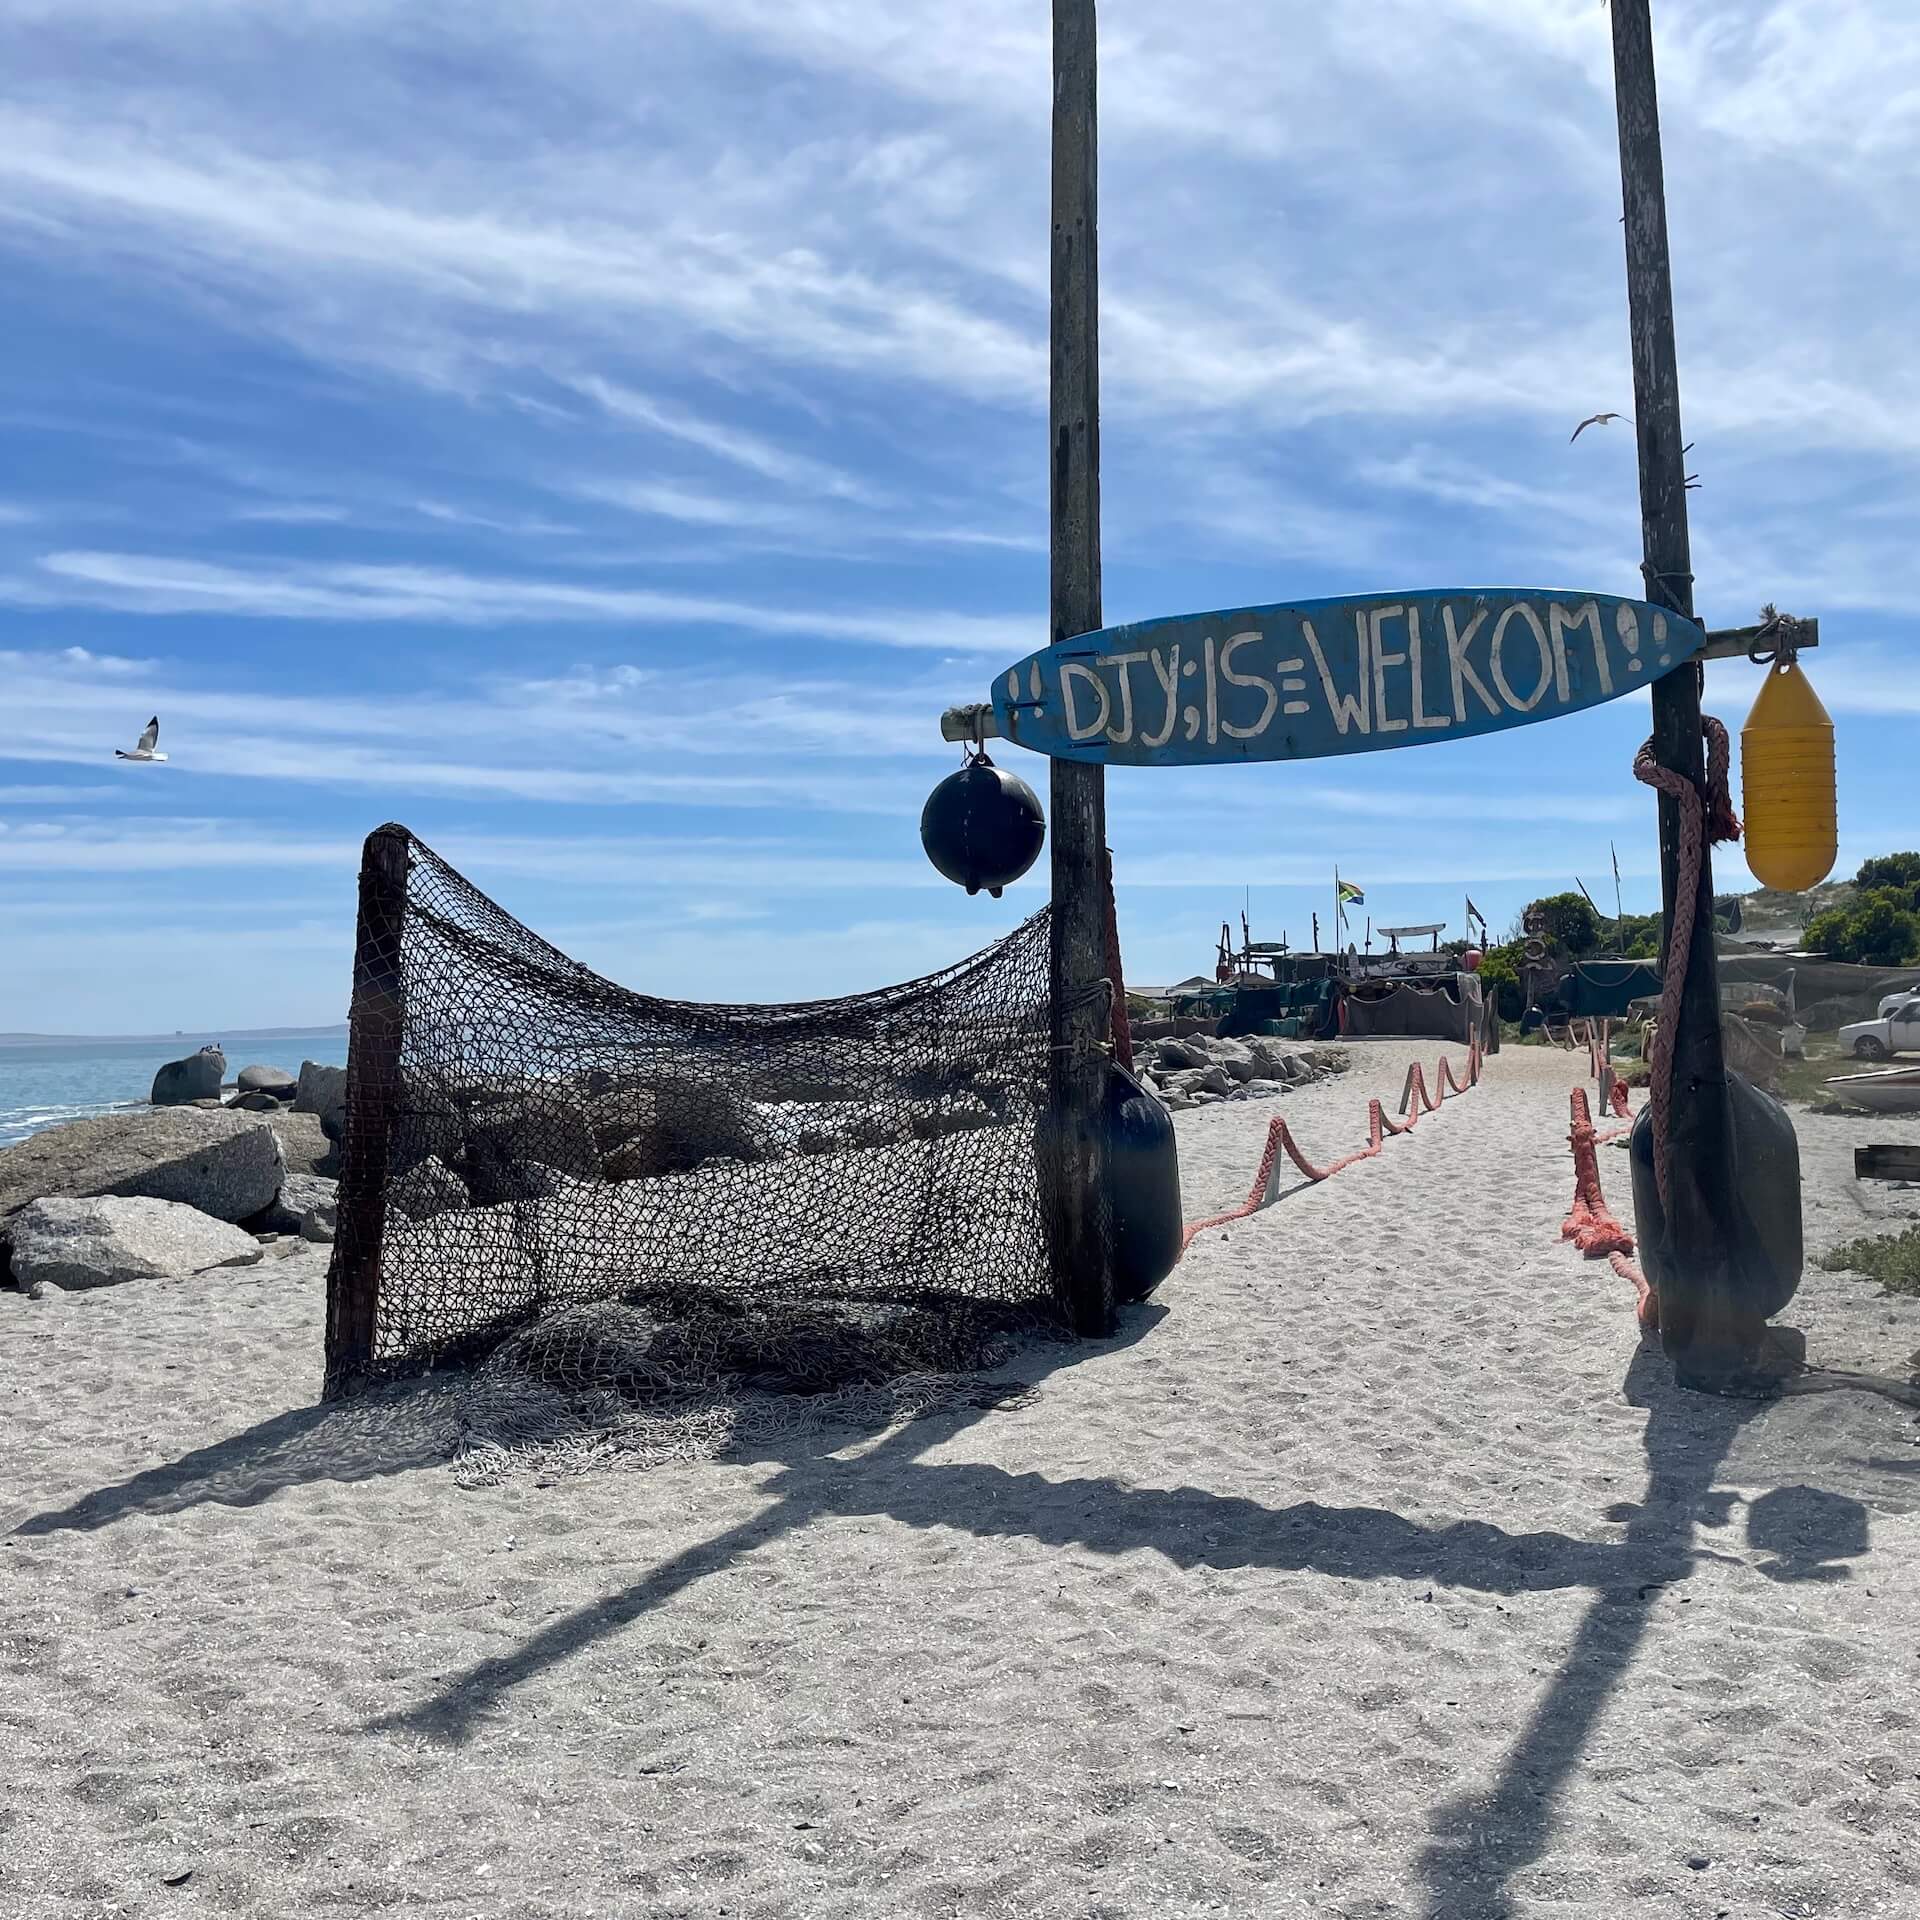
(1590, 1224)
(1380, 1129)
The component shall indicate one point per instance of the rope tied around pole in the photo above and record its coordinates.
(1784, 630)
(1121, 1036)
(1704, 818)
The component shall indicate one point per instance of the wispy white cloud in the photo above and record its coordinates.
(735, 445)
(51, 796)
(684, 504)
(152, 584)
(295, 513)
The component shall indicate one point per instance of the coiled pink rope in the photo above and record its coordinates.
(1696, 829)
(1590, 1224)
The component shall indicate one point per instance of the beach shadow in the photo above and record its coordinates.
(1188, 1525)
(421, 1423)
(390, 1432)
(1481, 1841)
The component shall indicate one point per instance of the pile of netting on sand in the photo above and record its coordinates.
(621, 1229)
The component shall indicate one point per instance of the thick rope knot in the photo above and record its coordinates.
(1703, 818)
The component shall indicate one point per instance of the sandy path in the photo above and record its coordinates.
(1373, 1571)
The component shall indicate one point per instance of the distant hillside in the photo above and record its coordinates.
(1782, 917)
(190, 1038)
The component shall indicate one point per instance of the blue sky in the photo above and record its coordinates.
(605, 437)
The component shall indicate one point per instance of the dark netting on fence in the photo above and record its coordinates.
(621, 1214)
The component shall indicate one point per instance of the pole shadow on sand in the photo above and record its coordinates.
(1480, 1842)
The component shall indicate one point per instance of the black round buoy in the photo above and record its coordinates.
(982, 826)
(1143, 1178)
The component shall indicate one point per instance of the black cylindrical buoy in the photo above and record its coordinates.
(982, 826)
(1765, 1257)
(1143, 1179)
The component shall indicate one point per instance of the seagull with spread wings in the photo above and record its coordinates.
(1594, 420)
(148, 749)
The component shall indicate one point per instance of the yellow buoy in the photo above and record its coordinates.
(1786, 783)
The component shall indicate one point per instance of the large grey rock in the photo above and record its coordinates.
(507, 1136)
(1176, 1054)
(300, 1195)
(228, 1165)
(431, 1187)
(303, 1142)
(673, 1126)
(1274, 1060)
(197, 1077)
(323, 1090)
(274, 1080)
(72, 1243)
(255, 1103)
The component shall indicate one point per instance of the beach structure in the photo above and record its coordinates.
(1303, 679)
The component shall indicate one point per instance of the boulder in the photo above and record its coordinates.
(1264, 1089)
(1274, 1060)
(1182, 1053)
(320, 1212)
(197, 1077)
(303, 1143)
(274, 1080)
(300, 1194)
(431, 1187)
(228, 1165)
(255, 1103)
(507, 1135)
(673, 1126)
(323, 1090)
(100, 1242)
(959, 1113)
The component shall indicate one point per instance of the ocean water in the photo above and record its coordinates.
(46, 1082)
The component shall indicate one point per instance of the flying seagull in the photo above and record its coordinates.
(1593, 420)
(147, 749)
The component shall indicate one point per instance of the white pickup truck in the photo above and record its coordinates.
(1896, 1031)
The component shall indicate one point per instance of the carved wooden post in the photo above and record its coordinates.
(1704, 1334)
(1079, 1233)
(376, 1024)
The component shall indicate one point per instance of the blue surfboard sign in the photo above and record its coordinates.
(1351, 675)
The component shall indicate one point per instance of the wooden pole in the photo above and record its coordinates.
(376, 1022)
(1081, 1236)
(1705, 1335)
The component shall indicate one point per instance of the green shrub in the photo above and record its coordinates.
(1877, 929)
(1898, 870)
(1500, 977)
(1570, 924)
(1893, 1259)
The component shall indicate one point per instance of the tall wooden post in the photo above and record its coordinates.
(1703, 1332)
(376, 1024)
(1080, 1233)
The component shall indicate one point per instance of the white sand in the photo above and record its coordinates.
(1374, 1571)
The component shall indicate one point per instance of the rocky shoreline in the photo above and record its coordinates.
(217, 1173)
(198, 1180)
(1203, 1069)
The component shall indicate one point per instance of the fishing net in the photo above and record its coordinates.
(656, 1229)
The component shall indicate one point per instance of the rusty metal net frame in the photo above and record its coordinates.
(606, 1193)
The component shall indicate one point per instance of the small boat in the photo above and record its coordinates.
(1889, 1090)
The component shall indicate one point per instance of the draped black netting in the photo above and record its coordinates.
(621, 1208)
